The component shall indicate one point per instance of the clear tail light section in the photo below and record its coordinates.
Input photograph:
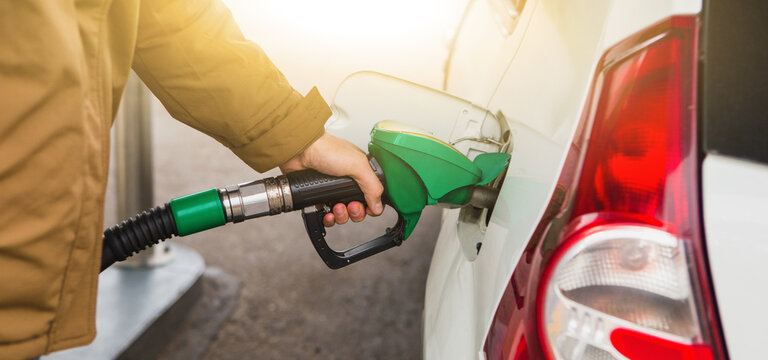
(616, 268)
(621, 290)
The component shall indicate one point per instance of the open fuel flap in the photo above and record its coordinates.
(365, 98)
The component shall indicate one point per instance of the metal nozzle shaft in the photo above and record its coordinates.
(268, 196)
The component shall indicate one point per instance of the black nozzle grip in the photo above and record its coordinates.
(309, 187)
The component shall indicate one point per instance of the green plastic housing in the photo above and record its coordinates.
(421, 170)
(197, 212)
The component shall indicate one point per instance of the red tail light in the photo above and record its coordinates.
(617, 269)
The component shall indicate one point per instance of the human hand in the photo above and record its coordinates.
(333, 156)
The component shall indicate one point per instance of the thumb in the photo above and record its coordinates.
(371, 187)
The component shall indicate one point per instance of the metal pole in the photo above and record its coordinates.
(133, 165)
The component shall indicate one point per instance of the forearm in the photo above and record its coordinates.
(195, 59)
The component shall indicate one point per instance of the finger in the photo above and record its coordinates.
(356, 211)
(371, 187)
(340, 211)
(329, 220)
(370, 213)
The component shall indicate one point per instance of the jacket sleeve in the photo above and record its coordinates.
(194, 58)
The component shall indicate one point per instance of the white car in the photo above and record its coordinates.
(631, 220)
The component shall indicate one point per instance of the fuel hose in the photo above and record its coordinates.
(235, 203)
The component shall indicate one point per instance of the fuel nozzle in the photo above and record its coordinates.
(416, 169)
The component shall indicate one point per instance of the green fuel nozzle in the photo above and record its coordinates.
(422, 170)
(416, 169)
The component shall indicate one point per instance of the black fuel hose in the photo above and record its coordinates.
(136, 234)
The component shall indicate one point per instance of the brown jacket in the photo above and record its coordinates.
(63, 65)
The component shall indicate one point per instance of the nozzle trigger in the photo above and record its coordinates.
(313, 221)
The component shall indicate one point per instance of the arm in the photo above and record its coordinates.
(192, 55)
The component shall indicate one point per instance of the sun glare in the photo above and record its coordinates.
(318, 43)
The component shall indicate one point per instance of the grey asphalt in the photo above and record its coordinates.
(291, 305)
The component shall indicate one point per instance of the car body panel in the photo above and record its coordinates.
(486, 59)
(540, 90)
(734, 197)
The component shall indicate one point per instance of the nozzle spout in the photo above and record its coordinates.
(483, 197)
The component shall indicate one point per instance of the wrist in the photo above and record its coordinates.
(304, 159)
(309, 156)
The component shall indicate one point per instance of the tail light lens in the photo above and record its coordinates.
(617, 270)
(619, 290)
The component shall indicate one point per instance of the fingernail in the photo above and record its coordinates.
(378, 208)
(328, 220)
(354, 211)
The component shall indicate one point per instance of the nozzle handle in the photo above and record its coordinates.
(309, 187)
(315, 193)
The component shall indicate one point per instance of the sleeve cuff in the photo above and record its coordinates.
(289, 137)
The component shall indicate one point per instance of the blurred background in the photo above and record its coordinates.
(289, 304)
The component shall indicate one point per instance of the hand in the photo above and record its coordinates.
(333, 156)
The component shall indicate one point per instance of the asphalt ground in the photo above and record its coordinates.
(291, 305)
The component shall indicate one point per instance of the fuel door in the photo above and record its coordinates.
(365, 98)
